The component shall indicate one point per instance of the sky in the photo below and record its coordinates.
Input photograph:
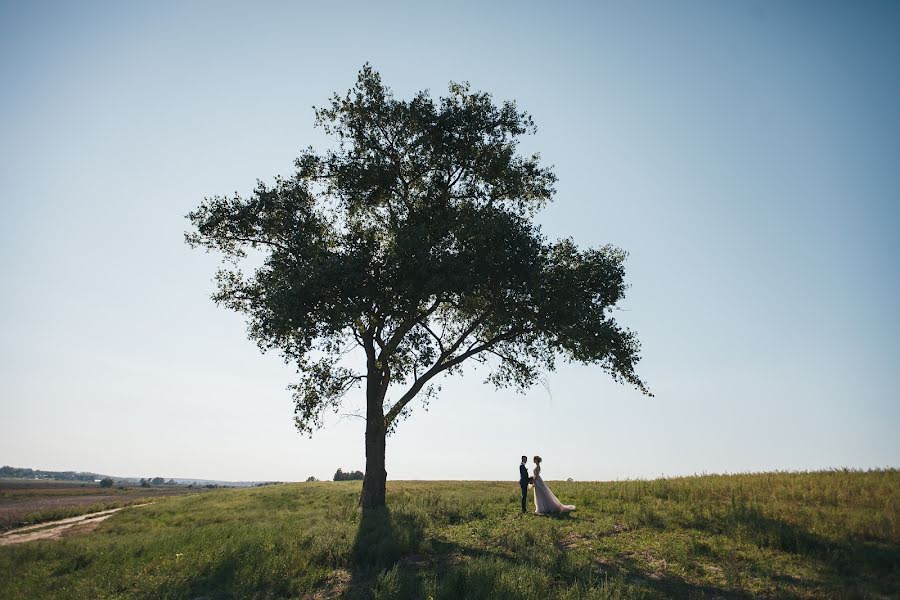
(745, 154)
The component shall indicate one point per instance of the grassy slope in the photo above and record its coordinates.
(816, 535)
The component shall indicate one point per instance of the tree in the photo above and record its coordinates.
(106, 482)
(340, 475)
(412, 245)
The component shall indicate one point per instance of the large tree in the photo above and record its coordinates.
(412, 241)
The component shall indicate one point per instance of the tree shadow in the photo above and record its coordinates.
(462, 573)
(385, 544)
(392, 558)
(673, 586)
(843, 562)
(218, 582)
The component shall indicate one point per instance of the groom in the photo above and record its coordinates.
(523, 481)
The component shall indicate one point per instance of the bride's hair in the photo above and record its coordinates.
(537, 459)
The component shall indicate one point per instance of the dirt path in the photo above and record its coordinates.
(53, 530)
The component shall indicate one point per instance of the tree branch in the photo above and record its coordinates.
(519, 364)
(358, 337)
(439, 341)
(385, 381)
(466, 333)
(442, 365)
(234, 238)
(484, 346)
(405, 327)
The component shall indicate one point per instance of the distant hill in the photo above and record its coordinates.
(221, 483)
(8, 472)
(19, 473)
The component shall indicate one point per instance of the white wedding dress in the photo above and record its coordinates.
(544, 500)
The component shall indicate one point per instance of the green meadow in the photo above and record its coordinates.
(832, 534)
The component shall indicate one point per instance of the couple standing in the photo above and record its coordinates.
(544, 500)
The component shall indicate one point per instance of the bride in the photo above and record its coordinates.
(544, 500)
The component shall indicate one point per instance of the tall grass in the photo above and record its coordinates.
(790, 535)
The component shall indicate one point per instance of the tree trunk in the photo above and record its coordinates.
(374, 483)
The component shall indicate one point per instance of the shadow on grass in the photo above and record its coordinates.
(846, 560)
(383, 540)
(672, 586)
(486, 574)
(217, 582)
(391, 559)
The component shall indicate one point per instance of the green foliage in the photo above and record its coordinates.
(340, 475)
(413, 241)
(786, 535)
(106, 482)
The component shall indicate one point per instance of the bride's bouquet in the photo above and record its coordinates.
(531, 480)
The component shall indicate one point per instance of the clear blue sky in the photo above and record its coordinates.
(746, 154)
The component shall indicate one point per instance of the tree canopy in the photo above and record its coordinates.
(413, 240)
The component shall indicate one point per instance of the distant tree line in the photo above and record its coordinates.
(156, 481)
(17, 473)
(349, 476)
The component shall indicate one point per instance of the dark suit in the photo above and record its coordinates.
(523, 483)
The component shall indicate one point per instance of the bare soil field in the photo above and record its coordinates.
(25, 502)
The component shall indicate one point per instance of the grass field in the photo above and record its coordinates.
(806, 535)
